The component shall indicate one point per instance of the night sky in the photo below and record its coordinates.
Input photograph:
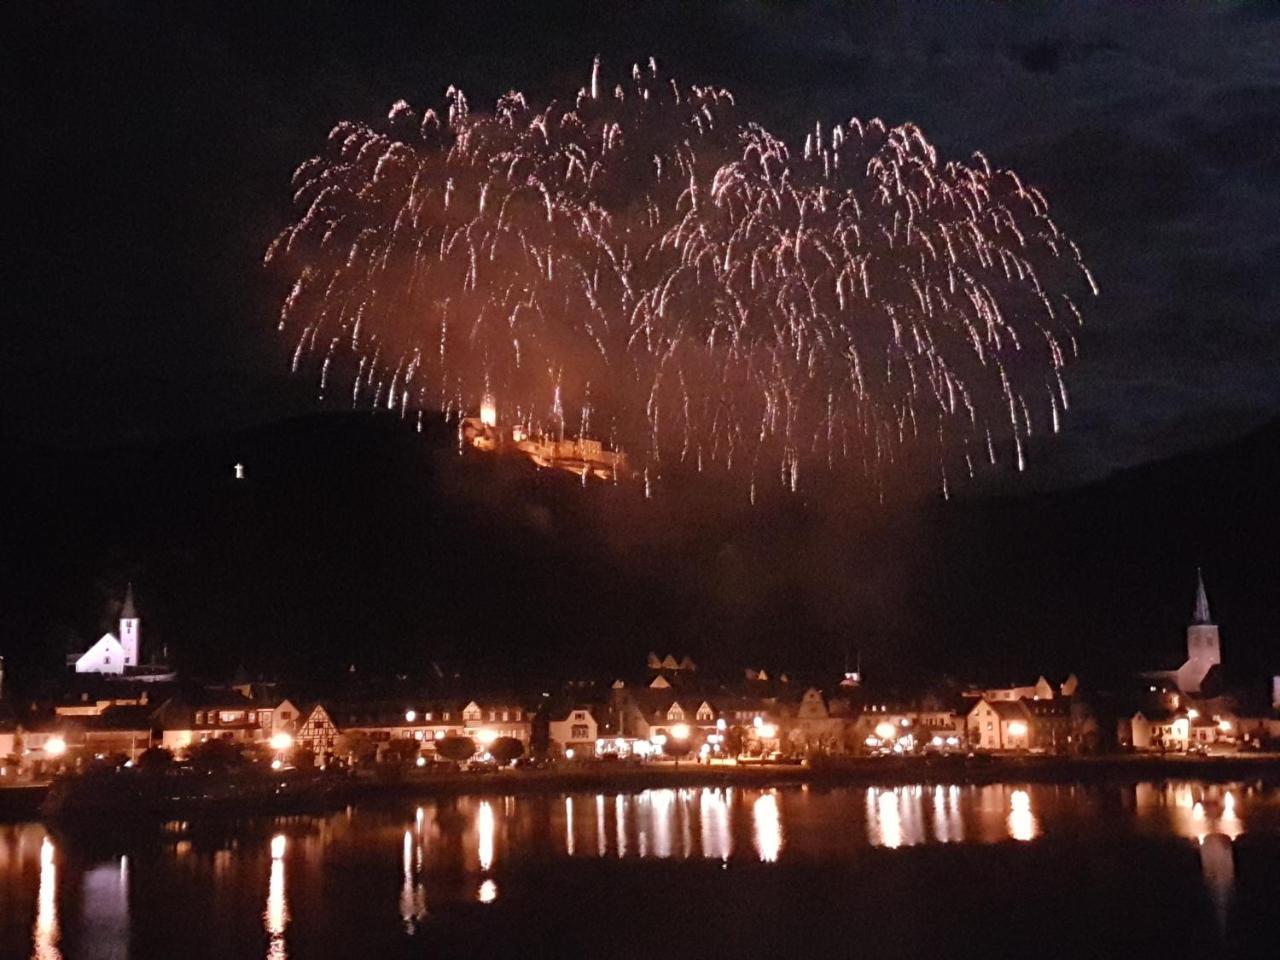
(153, 145)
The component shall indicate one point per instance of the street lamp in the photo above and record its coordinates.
(680, 731)
(281, 741)
(55, 747)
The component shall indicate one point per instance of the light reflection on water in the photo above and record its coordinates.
(45, 934)
(767, 821)
(470, 849)
(106, 909)
(276, 915)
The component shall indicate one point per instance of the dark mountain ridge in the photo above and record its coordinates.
(358, 539)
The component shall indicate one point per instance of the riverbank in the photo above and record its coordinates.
(139, 795)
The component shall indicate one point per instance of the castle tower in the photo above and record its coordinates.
(129, 638)
(1203, 646)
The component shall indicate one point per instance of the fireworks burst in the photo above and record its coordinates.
(647, 266)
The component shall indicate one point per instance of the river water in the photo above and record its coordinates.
(1168, 869)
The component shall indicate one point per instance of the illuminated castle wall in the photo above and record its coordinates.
(582, 456)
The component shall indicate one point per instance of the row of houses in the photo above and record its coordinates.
(718, 720)
(128, 722)
(669, 707)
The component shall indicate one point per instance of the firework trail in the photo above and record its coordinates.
(645, 265)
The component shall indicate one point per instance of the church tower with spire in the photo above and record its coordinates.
(129, 624)
(1204, 649)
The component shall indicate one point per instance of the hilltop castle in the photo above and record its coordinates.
(582, 456)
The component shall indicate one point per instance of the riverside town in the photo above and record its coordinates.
(122, 718)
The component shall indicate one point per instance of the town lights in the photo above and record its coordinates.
(486, 737)
(568, 753)
(276, 764)
(767, 731)
(721, 725)
(757, 722)
(1192, 713)
(410, 716)
(658, 739)
(1017, 728)
(1224, 726)
(886, 730)
(421, 761)
(55, 747)
(281, 741)
(680, 731)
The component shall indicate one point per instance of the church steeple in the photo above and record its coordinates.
(129, 628)
(1201, 614)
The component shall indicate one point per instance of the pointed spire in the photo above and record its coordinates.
(1201, 613)
(127, 611)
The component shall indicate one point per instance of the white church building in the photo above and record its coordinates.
(114, 653)
(1204, 648)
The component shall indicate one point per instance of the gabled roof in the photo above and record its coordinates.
(562, 715)
(123, 718)
(1005, 709)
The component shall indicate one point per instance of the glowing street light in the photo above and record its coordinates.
(886, 730)
(680, 731)
(281, 740)
(410, 716)
(1017, 728)
(767, 731)
(55, 747)
(486, 737)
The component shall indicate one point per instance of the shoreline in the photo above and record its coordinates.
(77, 797)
